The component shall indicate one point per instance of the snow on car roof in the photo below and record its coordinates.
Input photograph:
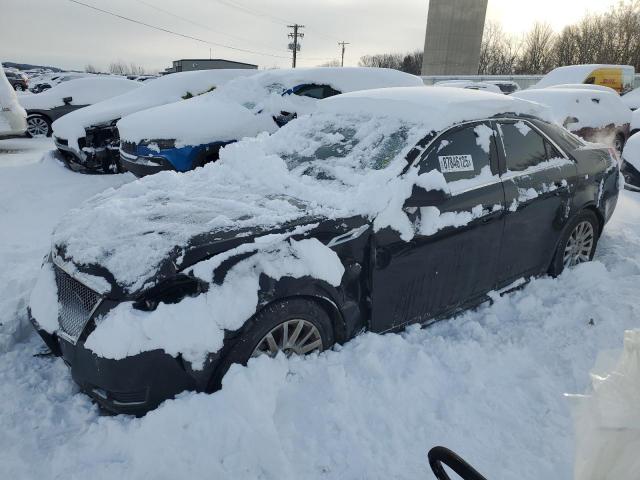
(83, 91)
(584, 86)
(257, 91)
(592, 108)
(168, 89)
(344, 79)
(572, 74)
(436, 108)
(490, 87)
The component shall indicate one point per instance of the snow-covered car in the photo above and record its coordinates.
(189, 134)
(18, 80)
(50, 80)
(45, 108)
(469, 84)
(596, 116)
(383, 208)
(618, 77)
(12, 115)
(89, 138)
(506, 86)
(632, 99)
(631, 163)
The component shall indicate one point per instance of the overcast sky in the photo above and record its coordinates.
(65, 34)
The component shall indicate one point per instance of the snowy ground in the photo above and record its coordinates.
(488, 384)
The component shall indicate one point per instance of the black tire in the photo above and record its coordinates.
(38, 122)
(265, 321)
(557, 265)
(19, 88)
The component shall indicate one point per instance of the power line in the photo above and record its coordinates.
(190, 37)
(201, 25)
(255, 13)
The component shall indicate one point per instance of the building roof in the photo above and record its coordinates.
(213, 60)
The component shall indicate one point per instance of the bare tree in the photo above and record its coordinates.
(90, 68)
(537, 50)
(118, 68)
(331, 63)
(498, 51)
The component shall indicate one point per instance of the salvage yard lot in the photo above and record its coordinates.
(488, 384)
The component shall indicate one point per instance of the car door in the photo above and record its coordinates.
(538, 179)
(451, 259)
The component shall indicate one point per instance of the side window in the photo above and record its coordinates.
(523, 146)
(462, 153)
(313, 91)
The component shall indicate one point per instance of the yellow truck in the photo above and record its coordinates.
(618, 77)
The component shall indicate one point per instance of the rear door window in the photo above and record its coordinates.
(524, 147)
(462, 153)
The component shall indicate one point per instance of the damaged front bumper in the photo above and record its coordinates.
(132, 385)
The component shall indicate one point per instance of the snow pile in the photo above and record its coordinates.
(168, 89)
(592, 109)
(631, 153)
(608, 421)
(196, 121)
(126, 331)
(83, 91)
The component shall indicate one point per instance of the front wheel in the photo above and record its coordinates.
(38, 126)
(294, 327)
(19, 88)
(578, 243)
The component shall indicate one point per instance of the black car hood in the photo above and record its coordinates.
(122, 262)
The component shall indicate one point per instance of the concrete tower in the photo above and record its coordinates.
(454, 35)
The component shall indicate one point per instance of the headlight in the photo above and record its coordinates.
(170, 291)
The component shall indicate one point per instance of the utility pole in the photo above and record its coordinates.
(343, 44)
(295, 46)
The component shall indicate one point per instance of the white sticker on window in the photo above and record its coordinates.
(456, 163)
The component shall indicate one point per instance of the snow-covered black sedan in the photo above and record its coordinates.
(381, 209)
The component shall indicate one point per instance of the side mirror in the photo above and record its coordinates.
(425, 198)
(67, 100)
(569, 121)
(439, 455)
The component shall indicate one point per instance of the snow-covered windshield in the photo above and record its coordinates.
(328, 144)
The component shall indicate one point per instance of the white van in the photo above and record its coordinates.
(13, 118)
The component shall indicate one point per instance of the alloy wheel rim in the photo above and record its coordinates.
(37, 127)
(580, 244)
(292, 337)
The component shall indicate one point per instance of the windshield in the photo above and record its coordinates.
(327, 144)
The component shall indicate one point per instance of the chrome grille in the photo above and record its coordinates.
(76, 304)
